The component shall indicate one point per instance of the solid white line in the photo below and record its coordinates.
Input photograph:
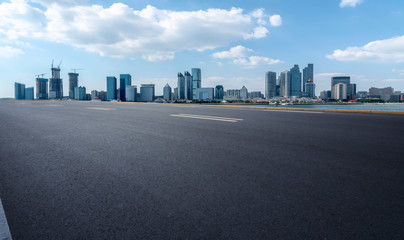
(193, 115)
(4, 229)
(99, 108)
(207, 117)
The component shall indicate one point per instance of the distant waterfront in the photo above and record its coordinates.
(399, 107)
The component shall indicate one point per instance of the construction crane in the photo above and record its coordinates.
(41, 74)
(76, 69)
(60, 64)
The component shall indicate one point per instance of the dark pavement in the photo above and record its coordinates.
(76, 170)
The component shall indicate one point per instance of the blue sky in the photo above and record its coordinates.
(233, 42)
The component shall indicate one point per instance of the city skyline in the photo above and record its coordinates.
(350, 39)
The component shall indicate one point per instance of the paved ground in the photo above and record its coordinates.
(74, 170)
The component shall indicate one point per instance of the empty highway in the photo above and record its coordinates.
(88, 170)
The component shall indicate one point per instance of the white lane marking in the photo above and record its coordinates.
(205, 117)
(4, 229)
(55, 105)
(100, 108)
(293, 111)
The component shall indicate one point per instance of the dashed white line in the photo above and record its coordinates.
(102, 109)
(205, 117)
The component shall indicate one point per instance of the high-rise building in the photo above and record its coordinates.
(188, 85)
(255, 94)
(181, 86)
(244, 93)
(232, 94)
(175, 97)
(204, 93)
(339, 91)
(284, 84)
(352, 93)
(130, 93)
(29, 93)
(167, 92)
(41, 88)
(73, 82)
(19, 91)
(111, 88)
(124, 80)
(196, 81)
(94, 94)
(55, 84)
(270, 84)
(382, 93)
(147, 92)
(219, 92)
(80, 93)
(308, 73)
(341, 79)
(310, 89)
(295, 81)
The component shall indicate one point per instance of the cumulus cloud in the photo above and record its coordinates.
(398, 71)
(239, 54)
(388, 50)
(254, 61)
(350, 3)
(275, 20)
(9, 52)
(234, 52)
(121, 31)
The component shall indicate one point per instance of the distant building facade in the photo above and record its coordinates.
(181, 86)
(244, 93)
(29, 93)
(19, 91)
(187, 85)
(270, 84)
(219, 92)
(167, 92)
(111, 88)
(204, 93)
(295, 81)
(124, 80)
(73, 83)
(55, 84)
(340, 79)
(196, 81)
(308, 74)
(131, 93)
(80, 93)
(41, 88)
(147, 92)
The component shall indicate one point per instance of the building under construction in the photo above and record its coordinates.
(73, 82)
(55, 83)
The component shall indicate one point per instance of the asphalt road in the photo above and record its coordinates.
(76, 170)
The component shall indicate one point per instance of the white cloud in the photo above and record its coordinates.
(121, 31)
(254, 61)
(275, 20)
(239, 54)
(350, 3)
(234, 52)
(388, 50)
(9, 52)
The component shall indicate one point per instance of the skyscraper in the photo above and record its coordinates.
(295, 81)
(341, 79)
(167, 92)
(181, 86)
(111, 88)
(270, 84)
(188, 85)
(41, 88)
(29, 93)
(284, 84)
(124, 80)
(204, 93)
(196, 81)
(73, 82)
(55, 84)
(308, 73)
(219, 92)
(147, 92)
(310, 89)
(19, 91)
